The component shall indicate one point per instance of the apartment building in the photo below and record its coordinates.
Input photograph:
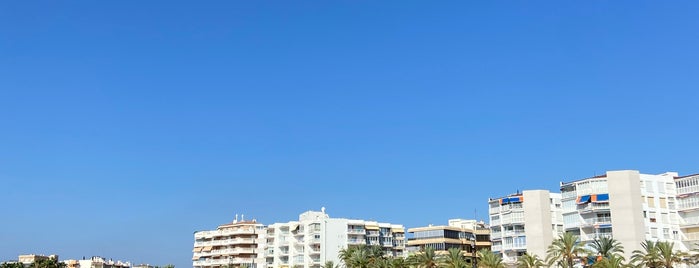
(626, 205)
(99, 262)
(316, 238)
(687, 203)
(239, 244)
(28, 259)
(467, 235)
(525, 222)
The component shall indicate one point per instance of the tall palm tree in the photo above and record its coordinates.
(648, 257)
(529, 261)
(566, 249)
(488, 259)
(355, 257)
(426, 258)
(454, 259)
(667, 256)
(607, 247)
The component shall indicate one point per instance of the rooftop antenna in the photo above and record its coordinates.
(242, 217)
(236, 218)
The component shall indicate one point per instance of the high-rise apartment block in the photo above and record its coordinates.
(626, 205)
(687, 203)
(308, 242)
(525, 222)
(238, 243)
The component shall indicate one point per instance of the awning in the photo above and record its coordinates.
(371, 227)
(583, 199)
(195, 258)
(197, 249)
(600, 198)
(398, 230)
(513, 199)
(208, 248)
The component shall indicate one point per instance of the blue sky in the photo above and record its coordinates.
(126, 126)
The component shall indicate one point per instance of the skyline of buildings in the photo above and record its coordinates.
(309, 241)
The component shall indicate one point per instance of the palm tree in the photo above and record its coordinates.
(355, 257)
(649, 256)
(330, 264)
(426, 258)
(529, 261)
(667, 256)
(488, 259)
(454, 259)
(613, 261)
(397, 262)
(565, 249)
(607, 247)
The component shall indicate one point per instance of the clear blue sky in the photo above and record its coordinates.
(126, 126)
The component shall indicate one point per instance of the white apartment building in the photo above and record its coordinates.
(688, 208)
(626, 205)
(238, 244)
(316, 238)
(524, 222)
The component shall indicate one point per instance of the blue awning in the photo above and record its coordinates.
(583, 199)
(602, 198)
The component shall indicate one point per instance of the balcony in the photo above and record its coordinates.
(372, 233)
(496, 248)
(356, 241)
(593, 207)
(495, 235)
(356, 231)
(599, 220)
(223, 232)
(513, 233)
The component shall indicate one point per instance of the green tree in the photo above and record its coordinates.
(607, 247)
(613, 261)
(454, 259)
(565, 250)
(529, 261)
(649, 256)
(668, 257)
(362, 256)
(398, 262)
(426, 258)
(330, 264)
(488, 259)
(11, 265)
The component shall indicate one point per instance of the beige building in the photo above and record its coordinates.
(32, 258)
(238, 243)
(467, 235)
(525, 222)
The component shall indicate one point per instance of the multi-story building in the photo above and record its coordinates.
(239, 244)
(524, 222)
(687, 203)
(467, 235)
(316, 238)
(626, 205)
(99, 262)
(32, 258)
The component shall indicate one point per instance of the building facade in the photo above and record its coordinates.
(316, 238)
(687, 203)
(467, 235)
(308, 242)
(524, 222)
(626, 205)
(238, 244)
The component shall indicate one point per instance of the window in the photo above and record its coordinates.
(650, 201)
(654, 232)
(663, 202)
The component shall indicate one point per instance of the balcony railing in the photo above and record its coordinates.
(210, 262)
(224, 232)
